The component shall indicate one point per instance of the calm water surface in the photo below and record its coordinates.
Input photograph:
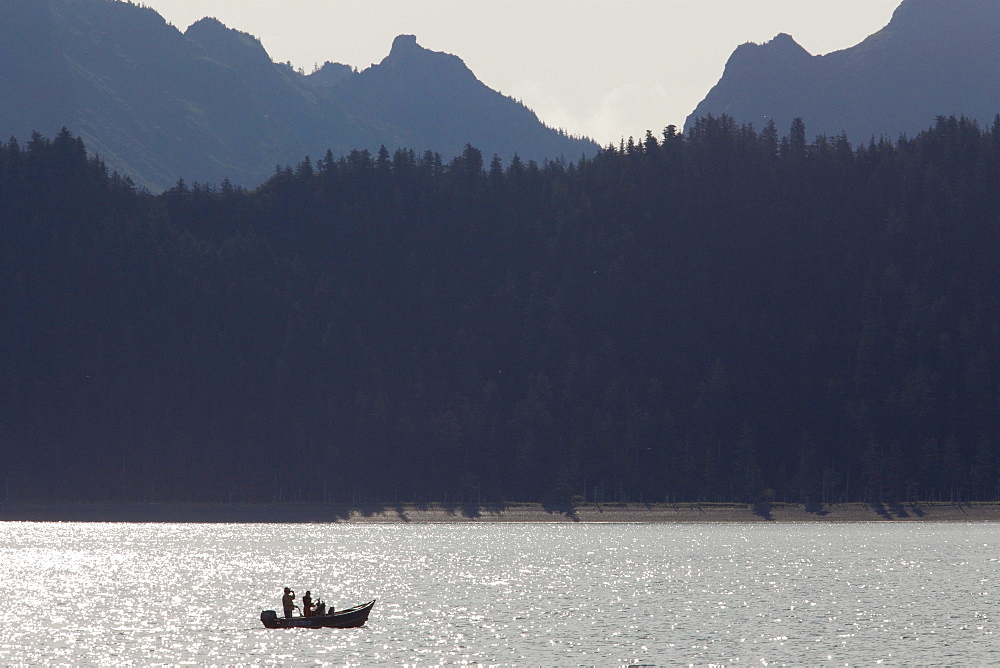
(595, 594)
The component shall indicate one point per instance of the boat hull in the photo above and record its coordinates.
(341, 619)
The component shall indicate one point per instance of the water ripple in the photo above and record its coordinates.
(115, 594)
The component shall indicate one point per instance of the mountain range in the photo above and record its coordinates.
(209, 104)
(934, 58)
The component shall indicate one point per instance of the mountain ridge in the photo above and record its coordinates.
(208, 104)
(930, 60)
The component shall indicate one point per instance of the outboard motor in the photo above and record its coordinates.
(269, 618)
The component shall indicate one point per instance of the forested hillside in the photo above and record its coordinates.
(720, 315)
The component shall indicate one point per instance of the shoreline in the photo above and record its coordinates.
(301, 513)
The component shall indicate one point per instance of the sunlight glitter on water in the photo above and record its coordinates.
(113, 594)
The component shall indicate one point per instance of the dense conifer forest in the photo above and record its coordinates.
(724, 315)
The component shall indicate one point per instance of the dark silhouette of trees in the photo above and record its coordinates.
(722, 315)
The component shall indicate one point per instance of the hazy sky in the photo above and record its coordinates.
(604, 68)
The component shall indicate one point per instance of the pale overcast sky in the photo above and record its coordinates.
(603, 68)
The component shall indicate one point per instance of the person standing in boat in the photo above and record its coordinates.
(287, 602)
(307, 604)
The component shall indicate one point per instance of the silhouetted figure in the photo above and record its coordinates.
(320, 609)
(307, 604)
(287, 602)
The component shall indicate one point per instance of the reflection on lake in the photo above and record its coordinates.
(503, 593)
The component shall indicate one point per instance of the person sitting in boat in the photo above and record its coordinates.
(287, 602)
(307, 604)
(320, 609)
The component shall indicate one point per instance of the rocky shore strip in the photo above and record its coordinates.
(514, 512)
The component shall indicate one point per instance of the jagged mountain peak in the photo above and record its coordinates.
(783, 46)
(404, 44)
(418, 88)
(934, 58)
(208, 23)
(209, 103)
(786, 45)
(781, 52)
(330, 74)
(781, 43)
(228, 45)
(410, 59)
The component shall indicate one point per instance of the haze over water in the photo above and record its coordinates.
(603, 594)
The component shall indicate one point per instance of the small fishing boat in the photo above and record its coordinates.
(340, 619)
